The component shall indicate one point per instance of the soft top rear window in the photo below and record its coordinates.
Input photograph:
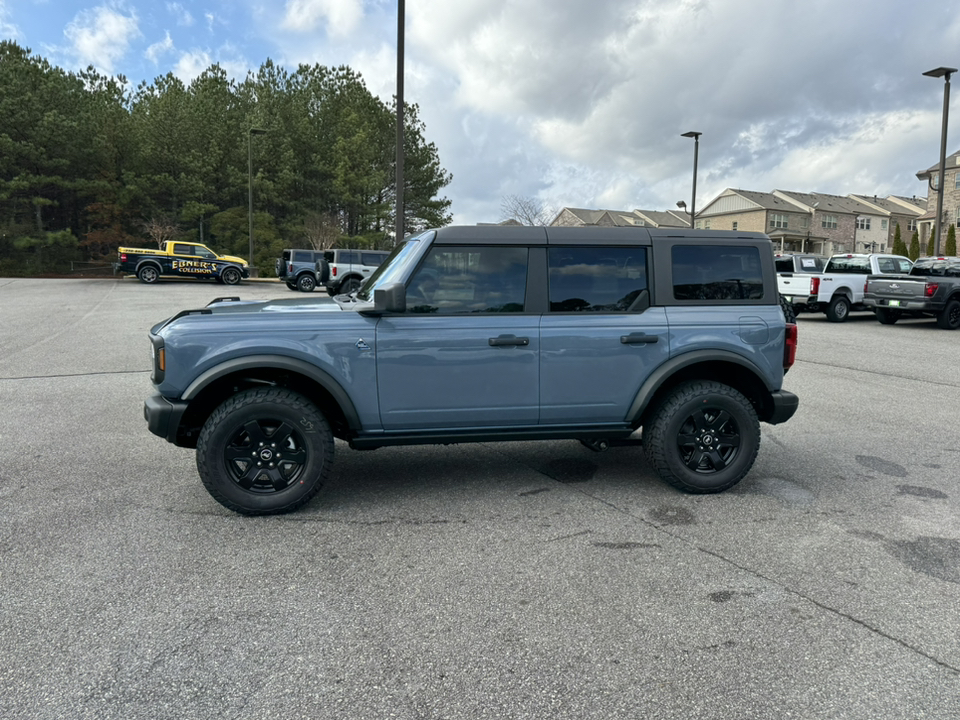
(717, 272)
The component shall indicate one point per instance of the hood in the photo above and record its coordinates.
(256, 308)
(233, 258)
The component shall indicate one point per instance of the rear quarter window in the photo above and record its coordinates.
(716, 272)
(850, 265)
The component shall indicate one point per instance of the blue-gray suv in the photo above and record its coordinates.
(488, 333)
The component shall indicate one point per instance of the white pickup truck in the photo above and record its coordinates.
(798, 278)
(841, 284)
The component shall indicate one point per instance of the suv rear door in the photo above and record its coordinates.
(600, 339)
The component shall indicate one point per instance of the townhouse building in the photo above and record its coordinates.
(580, 217)
(951, 197)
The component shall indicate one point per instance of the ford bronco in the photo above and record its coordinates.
(483, 334)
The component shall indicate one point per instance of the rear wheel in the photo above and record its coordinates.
(148, 274)
(306, 283)
(839, 309)
(703, 438)
(949, 317)
(349, 285)
(265, 451)
(887, 316)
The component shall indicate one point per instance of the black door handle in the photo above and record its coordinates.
(639, 339)
(508, 340)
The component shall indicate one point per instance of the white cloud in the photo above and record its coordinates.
(101, 36)
(191, 64)
(184, 18)
(7, 29)
(159, 48)
(342, 16)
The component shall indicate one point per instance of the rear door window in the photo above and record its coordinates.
(716, 272)
(372, 259)
(598, 279)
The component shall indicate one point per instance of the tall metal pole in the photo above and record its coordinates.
(945, 73)
(943, 161)
(399, 210)
(250, 133)
(250, 192)
(696, 151)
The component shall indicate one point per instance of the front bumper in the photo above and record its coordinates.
(784, 406)
(163, 416)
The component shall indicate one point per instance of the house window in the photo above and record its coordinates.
(706, 224)
(699, 225)
(911, 225)
(863, 223)
(935, 181)
(778, 221)
(883, 224)
(736, 224)
(956, 181)
(804, 222)
(829, 222)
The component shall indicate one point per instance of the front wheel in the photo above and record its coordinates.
(230, 276)
(887, 316)
(949, 317)
(839, 309)
(703, 438)
(265, 451)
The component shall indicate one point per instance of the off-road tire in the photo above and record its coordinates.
(349, 285)
(306, 283)
(839, 309)
(886, 316)
(949, 317)
(703, 438)
(788, 312)
(266, 425)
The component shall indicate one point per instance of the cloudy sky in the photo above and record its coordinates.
(580, 102)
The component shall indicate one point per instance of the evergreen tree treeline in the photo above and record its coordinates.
(88, 164)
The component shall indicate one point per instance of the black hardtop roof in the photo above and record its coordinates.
(539, 235)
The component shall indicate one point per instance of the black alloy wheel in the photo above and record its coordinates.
(949, 317)
(703, 438)
(265, 451)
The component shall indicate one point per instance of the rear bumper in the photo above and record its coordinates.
(784, 406)
(163, 416)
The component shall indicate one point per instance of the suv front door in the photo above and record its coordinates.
(464, 354)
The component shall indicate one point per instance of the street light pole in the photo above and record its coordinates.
(250, 134)
(399, 232)
(696, 151)
(945, 73)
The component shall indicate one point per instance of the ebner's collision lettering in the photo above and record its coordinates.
(194, 266)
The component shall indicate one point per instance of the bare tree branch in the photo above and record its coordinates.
(526, 210)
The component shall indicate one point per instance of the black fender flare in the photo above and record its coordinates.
(675, 364)
(279, 362)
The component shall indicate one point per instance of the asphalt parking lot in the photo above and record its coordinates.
(525, 580)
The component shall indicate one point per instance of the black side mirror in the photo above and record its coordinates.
(389, 299)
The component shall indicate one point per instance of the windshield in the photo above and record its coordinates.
(393, 267)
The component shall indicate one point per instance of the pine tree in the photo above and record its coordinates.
(898, 247)
(951, 249)
(931, 243)
(914, 251)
